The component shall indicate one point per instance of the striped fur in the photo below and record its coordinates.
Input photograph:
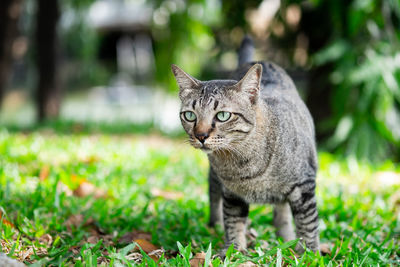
(264, 153)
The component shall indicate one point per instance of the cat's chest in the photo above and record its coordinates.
(251, 180)
(261, 189)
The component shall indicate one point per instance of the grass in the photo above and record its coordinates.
(154, 189)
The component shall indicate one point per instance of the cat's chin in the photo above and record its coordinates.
(206, 150)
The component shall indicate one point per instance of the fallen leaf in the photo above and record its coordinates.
(44, 173)
(46, 239)
(74, 249)
(156, 254)
(198, 260)
(325, 248)
(103, 261)
(151, 250)
(129, 237)
(134, 256)
(5, 221)
(86, 189)
(167, 194)
(74, 220)
(91, 159)
(146, 245)
(25, 254)
(93, 239)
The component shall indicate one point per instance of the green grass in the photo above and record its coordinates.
(359, 212)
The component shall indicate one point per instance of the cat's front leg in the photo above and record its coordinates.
(304, 208)
(235, 212)
(215, 195)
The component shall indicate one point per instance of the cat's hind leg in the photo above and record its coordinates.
(304, 208)
(215, 195)
(283, 221)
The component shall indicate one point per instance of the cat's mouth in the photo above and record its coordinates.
(206, 149)
(203, 147)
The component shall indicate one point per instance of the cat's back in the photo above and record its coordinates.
(290, 117)
(273, 77)
(278, 91)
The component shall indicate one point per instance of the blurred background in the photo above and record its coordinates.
(74, 63)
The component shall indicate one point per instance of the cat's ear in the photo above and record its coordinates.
(250, 83)
(186, 82)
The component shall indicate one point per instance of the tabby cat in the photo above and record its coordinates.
(259, 138)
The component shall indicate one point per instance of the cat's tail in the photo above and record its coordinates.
(246, 50)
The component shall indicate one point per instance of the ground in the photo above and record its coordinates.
(85, 199)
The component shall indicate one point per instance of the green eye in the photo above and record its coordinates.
(223, 116)
(189, 116)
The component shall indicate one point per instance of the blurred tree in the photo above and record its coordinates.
(10, 11)
(49, 89)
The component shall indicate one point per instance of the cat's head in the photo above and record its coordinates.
(218, 114)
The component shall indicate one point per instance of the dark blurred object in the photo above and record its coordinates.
(10, 11)
(49, 89)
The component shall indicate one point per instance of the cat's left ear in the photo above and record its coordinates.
(186, 82)
(250, 83)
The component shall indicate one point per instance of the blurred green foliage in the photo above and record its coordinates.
(363, 51)
(353, 49)
(183, 36)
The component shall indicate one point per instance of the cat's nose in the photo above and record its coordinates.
(202, 136)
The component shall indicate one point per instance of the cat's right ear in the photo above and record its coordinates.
(250, 83)
(185, 82)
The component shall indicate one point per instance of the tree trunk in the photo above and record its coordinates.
(48, 90)
(10, 11)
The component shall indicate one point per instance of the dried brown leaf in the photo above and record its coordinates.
(156, 254)
(325, 248)
(87, 189)
(134, 256)
(131, 236)
(146, 245)
(74, 249)
(46, 239)
(90, 159)
(74, 220)
(44, 172)
(93, 239)
(198, 260)
(5, 221)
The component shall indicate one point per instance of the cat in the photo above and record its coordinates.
(260, 141)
